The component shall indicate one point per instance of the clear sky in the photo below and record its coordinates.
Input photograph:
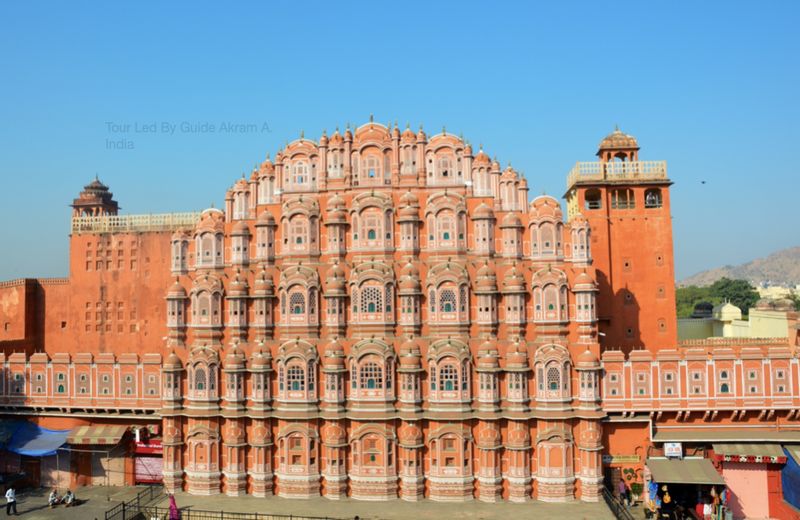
(712, 87)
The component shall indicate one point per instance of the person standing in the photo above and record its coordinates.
(623, 492)
(11, 501)
(174, 512)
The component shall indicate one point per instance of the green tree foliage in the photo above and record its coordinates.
(739, 292)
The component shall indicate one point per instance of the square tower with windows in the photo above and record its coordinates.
(626, 202)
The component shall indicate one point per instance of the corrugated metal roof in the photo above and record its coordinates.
(684, 471)
(725, 435)
(749, 450)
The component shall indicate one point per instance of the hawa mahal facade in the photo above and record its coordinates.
(384, 314)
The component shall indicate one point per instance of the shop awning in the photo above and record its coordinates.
(721, 435)
(7, 429)
(103, 435)
(35, 441)
(684, 471)
(750, 452)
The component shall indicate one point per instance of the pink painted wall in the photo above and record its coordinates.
(748, 485)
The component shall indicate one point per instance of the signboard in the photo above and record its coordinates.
(673, 450)
(153, 446)
(621, 459)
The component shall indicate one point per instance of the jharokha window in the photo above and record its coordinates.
(550, 303)
(296, 380)
(373, 303)
(372, 229)
(203, 381)
(553, 374)
(449, 380)
(446, 230)
(299, 306)
(371, 377)
(448, 303)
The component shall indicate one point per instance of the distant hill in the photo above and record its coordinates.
(779, 268)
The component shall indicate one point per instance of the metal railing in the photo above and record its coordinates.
(617, 508)
(134, 223)
(131, 509)
(162, 513)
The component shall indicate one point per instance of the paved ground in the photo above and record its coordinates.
(97, 500)
(395, 509)
(33, 505)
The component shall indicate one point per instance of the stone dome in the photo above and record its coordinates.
(513, 281)
(486, 278)
(618, 140)
(176, 290)
(584, 282)
(511, 220)
(234, 360)
(483, 211)
(546, 206)
(334, 355)
(587, 359)
(173, 362)
(516, 356)
(261, 360)
(240, 228)
(265, 219)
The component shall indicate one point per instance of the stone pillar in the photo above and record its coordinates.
(173, 448)
(590, 449)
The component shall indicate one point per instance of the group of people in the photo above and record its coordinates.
(662, 505)
(68, 499)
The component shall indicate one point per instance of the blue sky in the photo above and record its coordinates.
(709, 86)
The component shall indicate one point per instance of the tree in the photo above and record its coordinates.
(739, 292)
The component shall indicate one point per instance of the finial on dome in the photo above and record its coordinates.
(324, 133)
(371, 118)
(444, 130)
(616, 128)
(302, 134)
(408, 125)
(395, 123)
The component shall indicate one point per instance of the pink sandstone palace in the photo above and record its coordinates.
(385, 314)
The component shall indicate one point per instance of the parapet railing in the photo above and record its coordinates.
(134, 223)
(619, 170)
(724, 342)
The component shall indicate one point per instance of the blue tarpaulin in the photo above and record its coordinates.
(35, 441)
(790, 476)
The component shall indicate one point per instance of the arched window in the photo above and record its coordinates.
(593, 199)
(300, 173)
(296, 378)
(652, 198)
(447, 300)
(448, 378)
(724, 388)
(553, 379)
(297, 303)
(371, 375)
(200, 379)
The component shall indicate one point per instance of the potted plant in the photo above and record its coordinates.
(636, 491)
